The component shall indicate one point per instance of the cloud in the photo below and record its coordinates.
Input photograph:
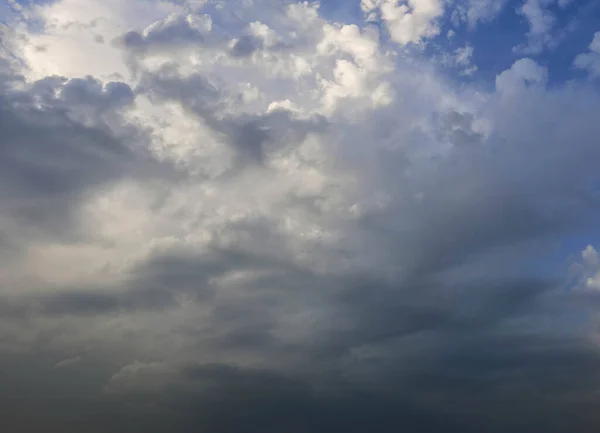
(273, 221)
(591, 60)
(460, 59)
(407, 22)
(474, 12)
(542, 22)
(140, 377)
(173, 32)
(64, 139)
(586, 272)
(68, 362)
(522, 73)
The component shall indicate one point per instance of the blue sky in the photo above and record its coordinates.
(494, 41)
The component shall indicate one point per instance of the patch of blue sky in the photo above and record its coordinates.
(492, 42)
(575, 26)
(343, 11)
(496, 44)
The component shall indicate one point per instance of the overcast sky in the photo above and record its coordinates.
(262, 216)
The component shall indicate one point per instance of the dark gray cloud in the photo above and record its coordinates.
(418, 353)
(524, 385)
(431, 357)
(47, 160)
(57, 148)
(171, 33)
(245, 46)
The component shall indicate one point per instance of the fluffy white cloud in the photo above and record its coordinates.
(524, 72)
(586, 271)
(591, 60)
(408, 21)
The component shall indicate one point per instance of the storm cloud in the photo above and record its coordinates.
(250, 217)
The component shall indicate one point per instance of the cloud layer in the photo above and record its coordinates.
(271, 221)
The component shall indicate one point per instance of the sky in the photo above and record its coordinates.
(240, 216)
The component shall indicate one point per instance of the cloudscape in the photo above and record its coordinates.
(279, 216)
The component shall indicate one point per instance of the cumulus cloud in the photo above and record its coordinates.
(524, 72)
(273, 221)
(586, 271)
(542, 21)
(407, 21)
(591, 60)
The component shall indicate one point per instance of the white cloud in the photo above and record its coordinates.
(541, 24)
(524, 72)
(591, 60)
(408, 21)
(587, 270)
(68, 44)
